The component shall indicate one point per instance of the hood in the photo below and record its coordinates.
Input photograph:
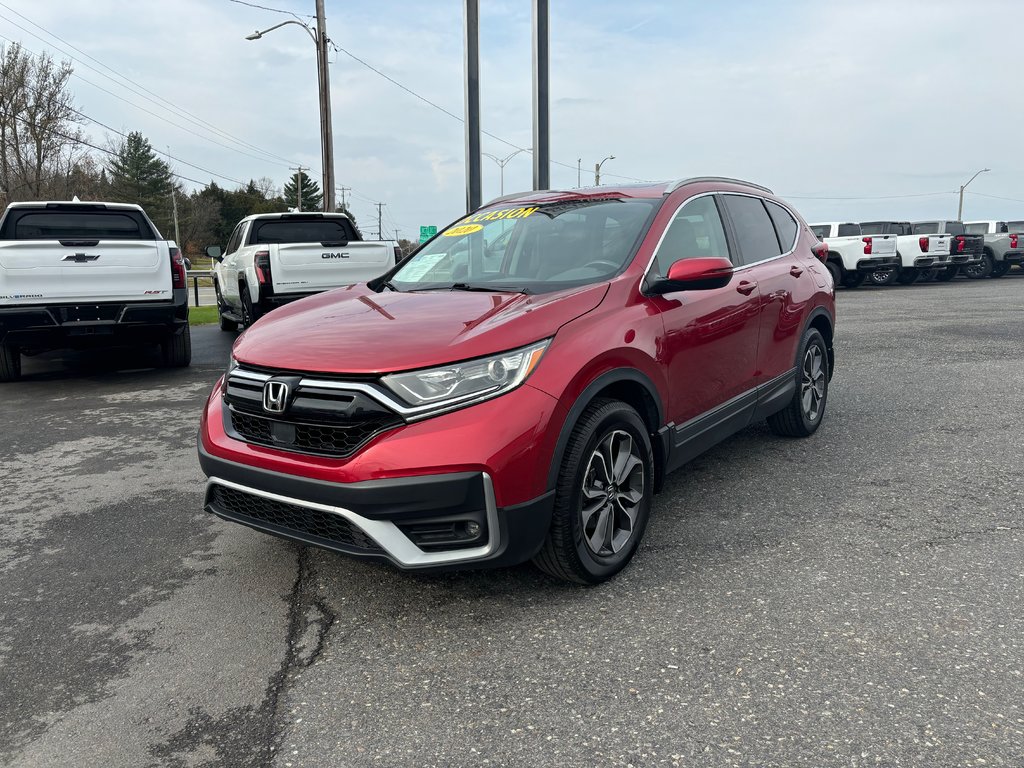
(357, 331)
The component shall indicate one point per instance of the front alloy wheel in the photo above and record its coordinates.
(613, 488)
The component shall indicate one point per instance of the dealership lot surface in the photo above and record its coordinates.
(852, 599)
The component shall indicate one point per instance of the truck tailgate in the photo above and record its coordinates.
(883, 245)
(309, 267)
(46, 272)
(938, 244)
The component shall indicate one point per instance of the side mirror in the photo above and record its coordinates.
(214, 252)
(697, 274)
(188, 263)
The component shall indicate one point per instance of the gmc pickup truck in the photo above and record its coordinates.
(916, 253)
(275, 258)
(1004, 247)
(965, 250)
(852, 256)
(80, 275)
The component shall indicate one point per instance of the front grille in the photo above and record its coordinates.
(317, 420)
(290, 518)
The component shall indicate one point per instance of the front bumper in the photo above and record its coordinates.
(417, 523)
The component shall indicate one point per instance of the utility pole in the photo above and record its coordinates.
(960, 208)
(343, 190)
(298, 185)
(541, 136)
(472, 93)
(380, 230)
(326, 130)
(579, 172)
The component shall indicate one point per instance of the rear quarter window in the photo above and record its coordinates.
(785, 225)
(61, 225)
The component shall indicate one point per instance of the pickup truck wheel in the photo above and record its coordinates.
(999, 269)
(602, 496)
(10, 362)
(226, 324)
(885, 276)
(177, 349)
(927, 275)
(802, 416)
(947, 274)
(909, 276)
(249, 313)
(836, 272)
(854, 279)
(980, 269)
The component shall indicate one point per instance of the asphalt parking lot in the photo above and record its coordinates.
(855, 599)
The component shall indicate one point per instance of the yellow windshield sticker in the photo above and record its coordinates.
(466, 229)
(501, 213)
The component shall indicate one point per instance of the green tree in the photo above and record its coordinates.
(312, 198)
(137, 175)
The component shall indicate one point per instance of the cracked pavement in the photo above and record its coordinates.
(854, 599)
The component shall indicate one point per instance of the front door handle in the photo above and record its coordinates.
(795, 271)
(746, 287)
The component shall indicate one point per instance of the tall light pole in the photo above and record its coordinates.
(541, 123)
(320, 40)
(960, 208)
(597, 170)
(471, 65)
(579, 172)
(502, 162)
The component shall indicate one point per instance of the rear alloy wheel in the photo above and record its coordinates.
(909, 276)
(854, 279)
(999, 269)
(803, 414)
(177, 349)
(602, 497)
(947, 274)
(927, 275)
(226, 324)
(981, 268)
(10, 362)
(836, 272)
(884, 276)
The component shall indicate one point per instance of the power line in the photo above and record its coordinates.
(996, 197)
(159, 101)
(275, 10)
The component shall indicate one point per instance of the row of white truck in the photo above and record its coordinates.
(886, 252)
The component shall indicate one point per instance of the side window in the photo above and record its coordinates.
(696, 231)
(785, 225)
(236, 236)
(754, 229)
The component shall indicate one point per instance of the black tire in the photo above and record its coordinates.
(999, 269)
(909, 276)
(947, 274)
(927, 275)
(836, 272)
(980, 269)
(10, 362)
(886, 276)
(250, 313)
(802, 416)
(854, 279)
(177, 349)
(226, 324)
(568, 552)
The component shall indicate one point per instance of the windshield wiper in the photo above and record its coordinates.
(389, 285)
(490, 288)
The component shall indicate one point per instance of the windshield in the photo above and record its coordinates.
(530, 248)
(1015, 226)
(820, 230)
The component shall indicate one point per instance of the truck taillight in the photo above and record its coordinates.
(923, 242)
(960, 243)
(262, 264)
(1013, 241)
(178, 277)
(867, 245)
(820, 251)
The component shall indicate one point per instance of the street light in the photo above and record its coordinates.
(960, 208)
(320, 40)
(597, 170)
(502, 162)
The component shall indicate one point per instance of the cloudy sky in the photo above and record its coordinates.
(851, 110)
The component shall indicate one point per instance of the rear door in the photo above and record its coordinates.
(81, 253)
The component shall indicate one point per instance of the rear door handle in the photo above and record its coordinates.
(746, 287)
(795, 271)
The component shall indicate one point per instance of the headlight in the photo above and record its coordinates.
(232, 364)
(472, 380)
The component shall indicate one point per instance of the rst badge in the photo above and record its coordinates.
(275, 396)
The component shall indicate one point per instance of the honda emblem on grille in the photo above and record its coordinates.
(275, 396)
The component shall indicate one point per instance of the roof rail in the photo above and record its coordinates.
(673, 186)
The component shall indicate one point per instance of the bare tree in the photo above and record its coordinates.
(40, 138)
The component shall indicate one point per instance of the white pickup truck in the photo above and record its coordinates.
(274, 258)
(80, 275)
(1004, 247)
(852, 256)
(917, 253)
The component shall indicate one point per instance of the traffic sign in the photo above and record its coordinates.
(426, 233)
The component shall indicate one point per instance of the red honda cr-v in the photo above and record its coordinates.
(519, 387)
